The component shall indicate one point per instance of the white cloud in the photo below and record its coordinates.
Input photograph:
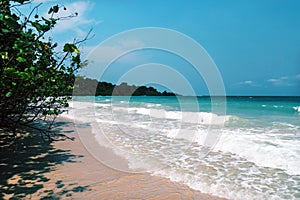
(79, 24)
(273, 80)
(104, 53)
(248, 82)
(281, 81)
(99, 56)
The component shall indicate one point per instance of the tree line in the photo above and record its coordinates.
(91, 87)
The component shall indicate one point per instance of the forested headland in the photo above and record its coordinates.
(91, 87)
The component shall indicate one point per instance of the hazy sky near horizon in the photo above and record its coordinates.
(254, 43)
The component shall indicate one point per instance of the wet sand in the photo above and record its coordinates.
(66, 170)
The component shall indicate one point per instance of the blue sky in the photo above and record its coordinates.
(254, 43)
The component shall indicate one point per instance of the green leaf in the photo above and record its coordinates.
(4, 55)
(24, 75)
(37, 26)
(50, 11)
(70, 87)
(20, 59)
(71, 48)
(9, 70)
(55, 9)
(67, 47)
(77, 51)
(4, 30)
(53, 20)
(8, 94)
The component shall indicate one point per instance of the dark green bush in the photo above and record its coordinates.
(36, 78)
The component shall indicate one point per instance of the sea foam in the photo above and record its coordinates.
(247, 162)
(297, 108)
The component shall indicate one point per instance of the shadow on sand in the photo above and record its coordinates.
(25, 162)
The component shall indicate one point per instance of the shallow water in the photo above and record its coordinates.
(249, 152)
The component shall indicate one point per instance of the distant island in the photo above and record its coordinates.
(86, 87)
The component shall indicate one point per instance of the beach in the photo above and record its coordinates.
(64, 169)
(151, 148)
(249, 152)
(149, 100)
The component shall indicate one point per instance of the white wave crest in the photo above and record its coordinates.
(206, 118)
(297, 108)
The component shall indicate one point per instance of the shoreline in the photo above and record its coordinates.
(124, 185)
(66, 170)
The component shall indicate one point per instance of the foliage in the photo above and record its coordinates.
(91, 87)
(35, 77)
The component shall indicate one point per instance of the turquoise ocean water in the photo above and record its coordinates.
(241, 148)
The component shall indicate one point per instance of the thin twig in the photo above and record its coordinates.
(86, 37)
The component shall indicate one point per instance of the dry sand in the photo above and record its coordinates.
(66, 170)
